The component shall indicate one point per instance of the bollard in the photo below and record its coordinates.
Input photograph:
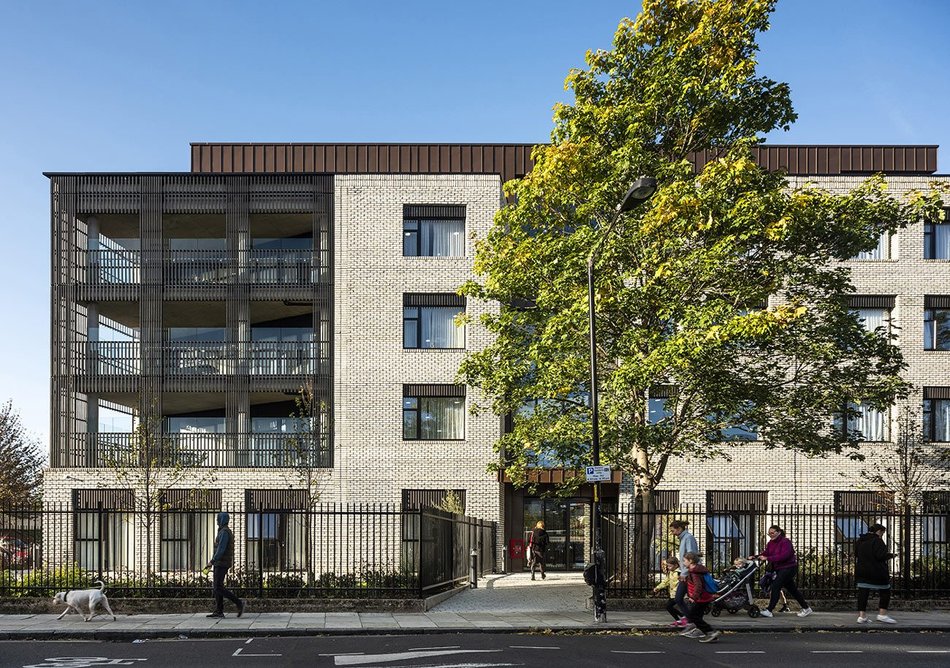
(473, 572)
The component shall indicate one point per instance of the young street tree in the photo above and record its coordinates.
(682, 280)
(21, 463)
(307, 445)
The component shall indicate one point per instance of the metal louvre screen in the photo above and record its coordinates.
(937, 393)
(109, 499)
(413, 499)
(434, 211)
(433, 390)
(937, 301)
(432, 299)
(872, 301)
(276, 499)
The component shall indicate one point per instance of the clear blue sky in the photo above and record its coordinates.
(125, 86)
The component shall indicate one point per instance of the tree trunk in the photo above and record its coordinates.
(644, 518)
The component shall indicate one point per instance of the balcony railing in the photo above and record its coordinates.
(209, 267)
(211, 450)
(210, 358)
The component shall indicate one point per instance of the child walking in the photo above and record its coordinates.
(699, 597)
(669, 582)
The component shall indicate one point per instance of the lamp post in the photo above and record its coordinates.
(640, 191)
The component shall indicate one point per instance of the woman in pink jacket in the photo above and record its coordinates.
(781, 555)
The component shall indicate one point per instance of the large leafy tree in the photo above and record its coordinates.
(21, 463)
(682, 280)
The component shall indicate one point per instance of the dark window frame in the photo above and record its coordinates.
(273, 508)
(930, 236)
(419, 393)
(412, 219)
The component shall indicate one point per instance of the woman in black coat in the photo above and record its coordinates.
(871, 572)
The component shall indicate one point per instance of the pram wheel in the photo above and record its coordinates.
(753, 611)
(732, 612)
(716, 612)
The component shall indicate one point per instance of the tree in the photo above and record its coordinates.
(21, 471)
(681, 284)
(149, 465)
(452, 503)
(910, 466)
(308, 444)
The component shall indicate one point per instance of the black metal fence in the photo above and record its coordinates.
(637, 542)
(329, 551)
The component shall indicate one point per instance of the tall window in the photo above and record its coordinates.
(870, 423)
(880, 252)
(433, 230)
(188, 527)
(429, 321)
(873, 311)
(104, 531)
(937, 414)
(935, 533)
(734, 521)
(433, 412)
(937, 238)
(855, 512)
(937, 322)
(276, 532)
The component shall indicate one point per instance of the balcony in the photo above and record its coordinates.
(209, 450)
(210, 358)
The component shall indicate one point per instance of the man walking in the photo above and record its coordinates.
(221, 562)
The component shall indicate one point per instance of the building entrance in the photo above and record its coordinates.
(567, 522)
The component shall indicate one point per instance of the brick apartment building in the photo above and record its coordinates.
(199, 303)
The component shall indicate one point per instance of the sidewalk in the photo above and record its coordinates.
(505, 603)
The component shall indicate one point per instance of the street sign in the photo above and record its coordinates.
(598, 473)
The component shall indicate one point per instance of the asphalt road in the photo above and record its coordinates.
(484, 650)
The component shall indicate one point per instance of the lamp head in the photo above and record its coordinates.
(640, 191)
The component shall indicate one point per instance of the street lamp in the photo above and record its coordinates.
(640, 191)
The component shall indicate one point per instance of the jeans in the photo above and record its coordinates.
(785, 579)
(679, 598)
(220, 593)
(695, 616)
(673, 609)
(884, 596)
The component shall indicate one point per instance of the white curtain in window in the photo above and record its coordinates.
(442, 418)
(942, 241)
(872, 318)
(296, 541)
(870, 422)
(438, 327)
(941, 417)
(880, 252)
(443, 238)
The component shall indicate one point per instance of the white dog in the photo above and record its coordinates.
(84, 599)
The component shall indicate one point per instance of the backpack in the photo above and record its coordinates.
(709, 584)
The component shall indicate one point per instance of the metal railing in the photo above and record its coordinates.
(636, 543)
(326, 550)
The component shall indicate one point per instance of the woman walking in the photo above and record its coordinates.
(539, 545)
(871, 572)
(687, 544)
(780, 553)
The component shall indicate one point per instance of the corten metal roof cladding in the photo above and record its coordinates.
(514, 160)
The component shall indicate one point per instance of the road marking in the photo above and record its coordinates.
(928, 651)
(344, 654)
(532, 647)
(417, 649)
(630, 651)
(837, 651)
(741, 651)
(351, 660)
(248, 641)
(239, 650)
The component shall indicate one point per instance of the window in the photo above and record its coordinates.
(734, 522)
(935, 533)
(659, 414)
(937, 414)
(429, 321)
(866, 422)
(282, 350)
(936, 322)
(433, 231)
(103, 529)
(855, 512)
(276, 532)
(433, 412)
(937, 238)
(880, 252)
(188, 526)
(873, 311)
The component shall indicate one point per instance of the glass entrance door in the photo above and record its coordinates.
(568, 525)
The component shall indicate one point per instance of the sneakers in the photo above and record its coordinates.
(804, 612)
(241, 605)
(785, 608)
(216, 615)
(693, 633)
(680, 623)
(765, 613)
(711, 637)
(864, 620)
(886, 619)
(543, 576)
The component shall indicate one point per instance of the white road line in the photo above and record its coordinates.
(417, 649)
(928, 651)
(532, 647)
(248, 641)
(344, 654)
(741, 651)
(239, 653)
(837, 651)
(351, 660)
(630, 651)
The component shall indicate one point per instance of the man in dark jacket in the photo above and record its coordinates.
(221, 561)
(871, 572)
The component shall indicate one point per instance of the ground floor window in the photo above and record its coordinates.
(104, 529)
(277, 536)
(935, 533)
(855, 512)
(735, 523)
(188, 526)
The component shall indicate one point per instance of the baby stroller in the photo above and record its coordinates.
(735, 591)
